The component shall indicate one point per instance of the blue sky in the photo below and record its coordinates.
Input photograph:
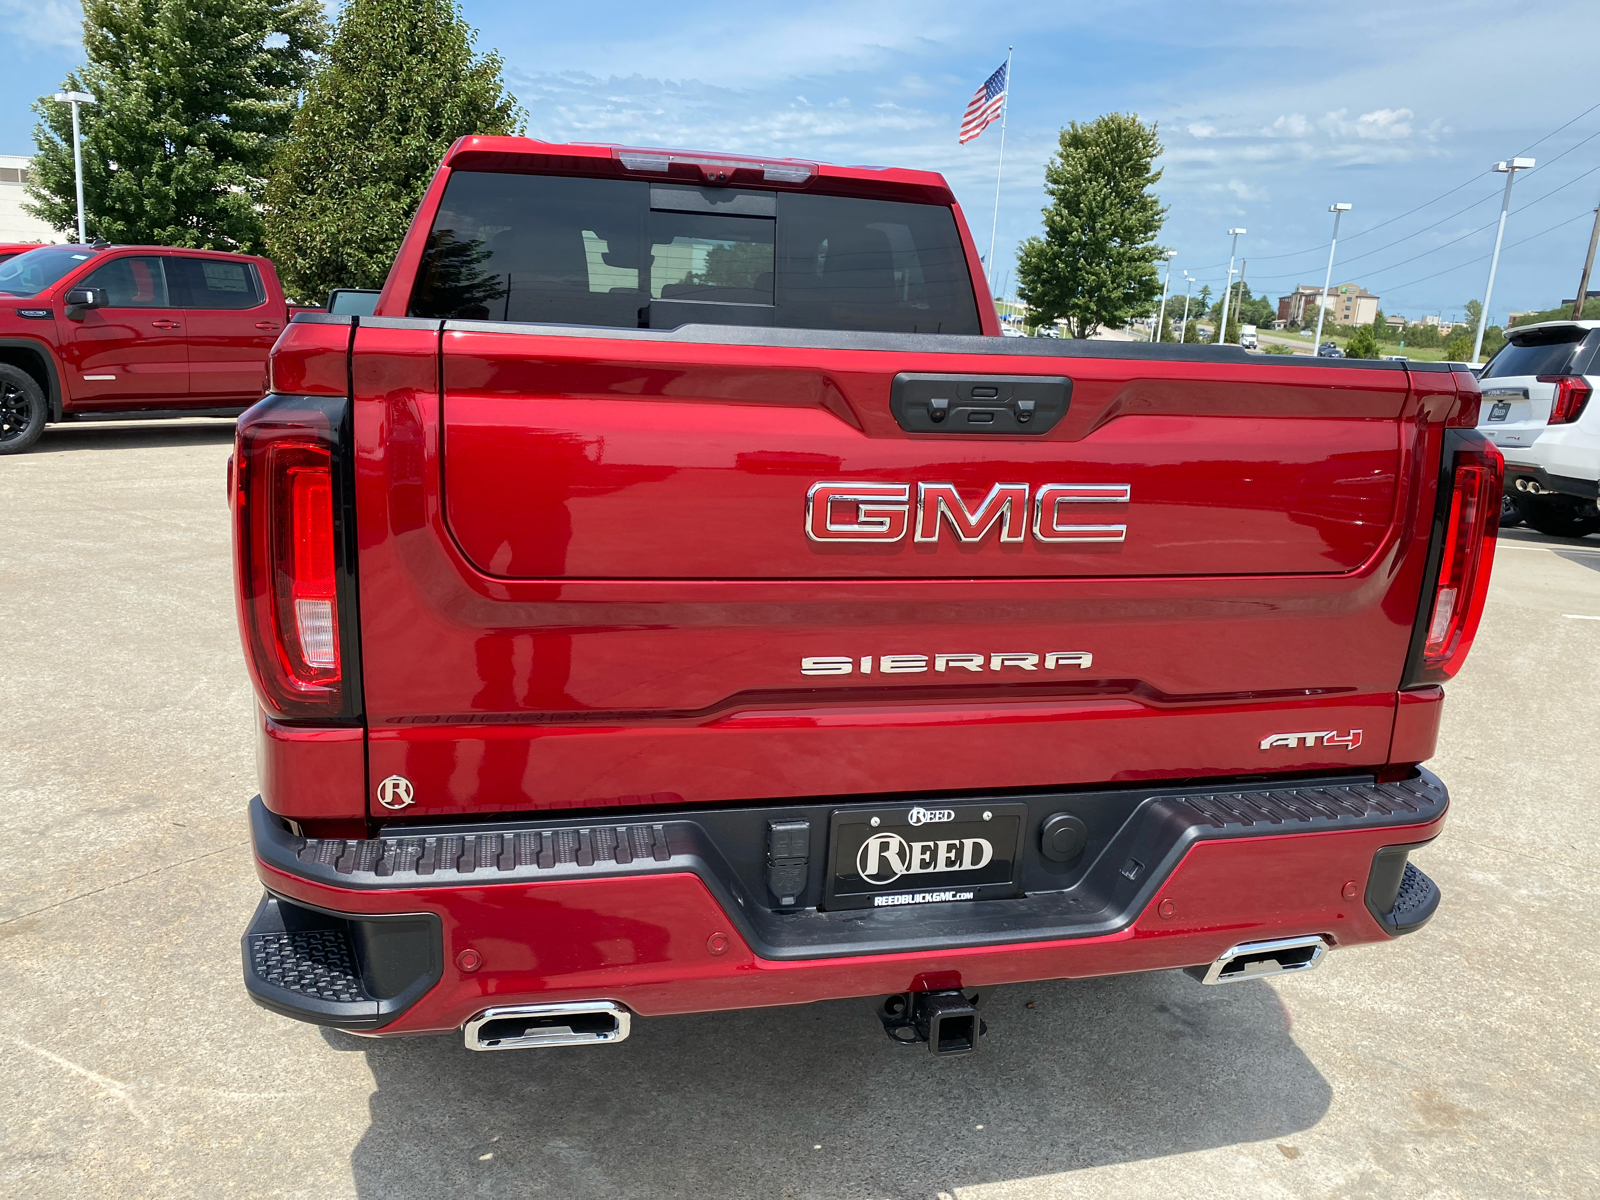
(1269, 113)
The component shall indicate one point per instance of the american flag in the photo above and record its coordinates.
(985, 106)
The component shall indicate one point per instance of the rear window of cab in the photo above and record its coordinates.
(632, 254)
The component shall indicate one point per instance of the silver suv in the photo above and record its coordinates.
(1537, 408)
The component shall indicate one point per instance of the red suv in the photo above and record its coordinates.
(146, 330)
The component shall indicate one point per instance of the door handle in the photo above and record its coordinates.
(165, 324)
(266, 325)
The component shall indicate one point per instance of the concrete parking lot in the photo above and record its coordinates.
(1460, 1061)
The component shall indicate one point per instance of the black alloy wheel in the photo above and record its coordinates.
(1510, 514)
(1558, 515)
(22, 409)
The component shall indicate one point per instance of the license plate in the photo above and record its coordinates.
(1499, 411)
(924, 854)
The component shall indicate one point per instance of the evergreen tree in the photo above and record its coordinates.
(1095, 264)
(399, 84)
(1363, 343)
(193, 97)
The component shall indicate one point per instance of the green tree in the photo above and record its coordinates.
(1363, 343)
(400, 83)
(193, 98)
(1095, 264)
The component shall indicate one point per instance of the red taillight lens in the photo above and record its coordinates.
(287, 559)
(1469, 534)
(1572, 395)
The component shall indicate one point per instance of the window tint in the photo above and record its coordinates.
(31, 272)
(595, 252)
(132, 283)
(1543, 352)
(215, 283)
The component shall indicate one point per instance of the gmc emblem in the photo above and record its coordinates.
(883, 512)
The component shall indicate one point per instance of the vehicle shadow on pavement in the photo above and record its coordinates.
(133, 435)
(815, 1100)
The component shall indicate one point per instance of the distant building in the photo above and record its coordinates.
(15, 224)
(1395, 322)
(1348, 304)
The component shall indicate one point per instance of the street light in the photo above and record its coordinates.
(1338, 210)
(75, 99)
(1509, 170)
(1162, 315)
(1187, 288)
(1222, 333)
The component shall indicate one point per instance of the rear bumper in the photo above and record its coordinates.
(439, 924)
(1566, 485)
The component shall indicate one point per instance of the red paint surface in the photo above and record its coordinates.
(1416, 725)
(643, 941)
(587, 691)
(163, 358)
(309, 773)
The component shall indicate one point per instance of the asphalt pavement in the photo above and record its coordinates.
(1458, 1062)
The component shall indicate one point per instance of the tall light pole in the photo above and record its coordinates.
(1509, 170)
(1338, 210)
(1187, 288)
(1222, 332)
(1162, 315)
(75, 99)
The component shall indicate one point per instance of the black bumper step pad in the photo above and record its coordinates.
(348, 971)
(308, 962)
(1135, 838)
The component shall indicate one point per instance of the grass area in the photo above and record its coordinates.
(1306, 345)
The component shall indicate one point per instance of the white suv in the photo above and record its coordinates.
(1538, 408)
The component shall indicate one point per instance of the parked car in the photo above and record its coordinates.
(1329, 350)
(131, 330)
(636, 637)
(1538, 408)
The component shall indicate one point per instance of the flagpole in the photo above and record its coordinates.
(1005, 103)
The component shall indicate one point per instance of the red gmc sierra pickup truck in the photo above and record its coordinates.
(132, 330)
(678, 597)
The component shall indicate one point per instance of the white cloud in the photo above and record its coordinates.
(1294, 124)
(1201, 130)
(1385, 123)
(54, 23)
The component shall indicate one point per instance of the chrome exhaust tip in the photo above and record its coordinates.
(1257, 960)
(526, 1026)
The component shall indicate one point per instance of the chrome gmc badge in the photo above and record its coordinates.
(885, 512)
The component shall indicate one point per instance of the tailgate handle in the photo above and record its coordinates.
(983, 405)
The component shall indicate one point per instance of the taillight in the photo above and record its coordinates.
(1470, 524)
(291, 568)
(1572, 394)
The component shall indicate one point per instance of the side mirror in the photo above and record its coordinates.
(84, 298)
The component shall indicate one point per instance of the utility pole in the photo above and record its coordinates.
(1509, 170)
(1187, 288)
(1588, 265)
(1162, 315)
(1338, 210)
(1238, 296)
(1222, 332)
(75, 99)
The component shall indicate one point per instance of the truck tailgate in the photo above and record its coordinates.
(598, 574)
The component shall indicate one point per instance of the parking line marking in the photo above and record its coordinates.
(1579, 617)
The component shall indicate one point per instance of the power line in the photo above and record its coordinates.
(1583, 216)
(1428, 204)
(1558, 129)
